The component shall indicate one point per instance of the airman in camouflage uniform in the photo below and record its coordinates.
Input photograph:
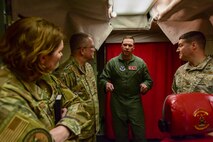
(190, 79)
(79, 76)
(197, 74)
(27, 110)
(31, 49)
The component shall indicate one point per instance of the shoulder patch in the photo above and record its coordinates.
(14, 129)
(38, 135)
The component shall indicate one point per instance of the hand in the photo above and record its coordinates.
(63, 112)
(60, 133)
(210, 134)
(143, 88)
(109, 87)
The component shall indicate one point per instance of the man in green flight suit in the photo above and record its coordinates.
(126, 77)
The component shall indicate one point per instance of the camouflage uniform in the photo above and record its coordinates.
(27, 112)
(194, 79)
(83, 83)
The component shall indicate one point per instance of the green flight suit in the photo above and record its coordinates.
(126, 105)
(27, 108)
(83, 83)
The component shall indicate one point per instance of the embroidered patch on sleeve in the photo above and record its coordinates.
(14, 129)
(38, 135)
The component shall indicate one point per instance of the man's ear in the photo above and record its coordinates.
(82, 50)
(194, 45)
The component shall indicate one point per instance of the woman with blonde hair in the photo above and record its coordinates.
(30, 50)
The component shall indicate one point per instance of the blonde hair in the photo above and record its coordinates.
(25, 41)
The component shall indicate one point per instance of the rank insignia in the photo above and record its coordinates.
(122, 68)
(132, 68)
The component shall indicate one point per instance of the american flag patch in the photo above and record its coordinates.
(14, 129)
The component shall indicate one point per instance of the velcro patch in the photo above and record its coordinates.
(132, 68)
(14, 129)
(38, 135)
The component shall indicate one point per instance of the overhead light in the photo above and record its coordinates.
(132, 7)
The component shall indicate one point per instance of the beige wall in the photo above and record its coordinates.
(209, 47)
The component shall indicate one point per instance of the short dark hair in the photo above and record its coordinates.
(194, 36)
(78, 40)
(128, 37)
